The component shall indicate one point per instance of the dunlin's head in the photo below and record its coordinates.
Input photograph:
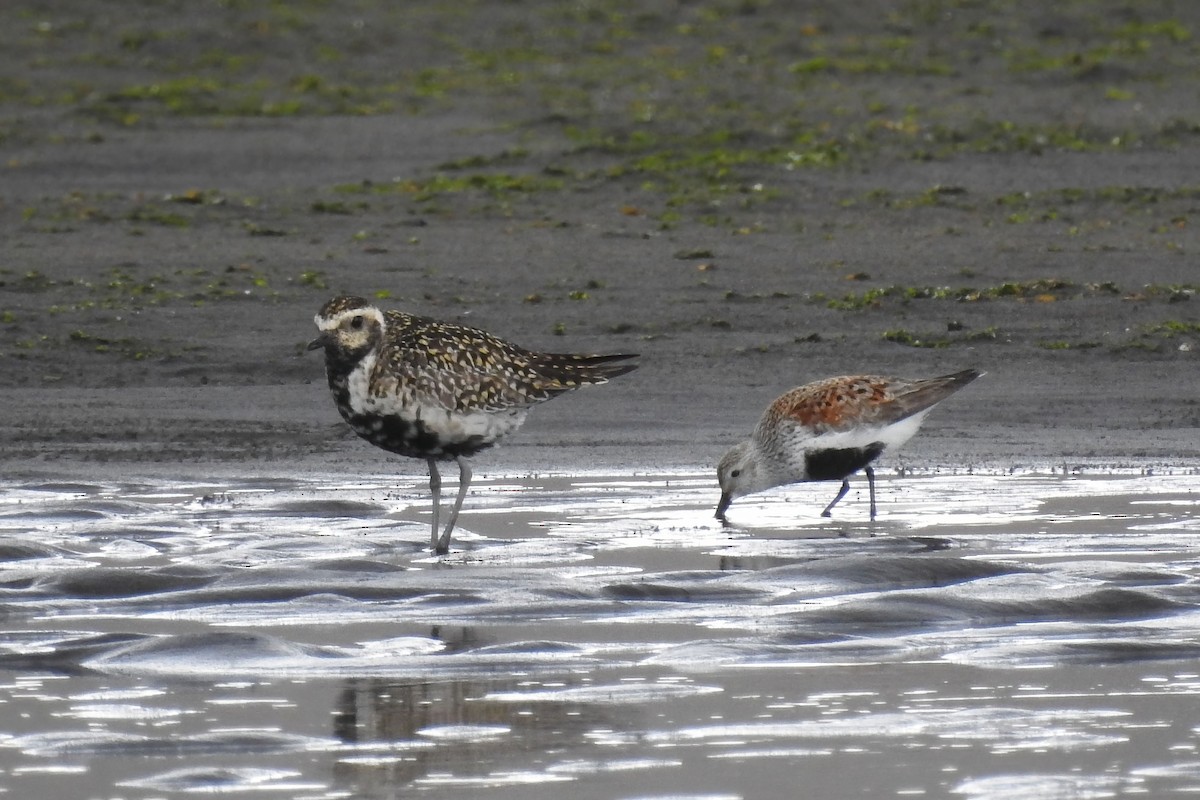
(738, 474)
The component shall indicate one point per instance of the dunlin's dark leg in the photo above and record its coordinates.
(435, 487)
(841, 493)
(464, 480)
(871, 484)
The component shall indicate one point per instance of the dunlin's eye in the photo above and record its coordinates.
(735, 473)
(357, 322)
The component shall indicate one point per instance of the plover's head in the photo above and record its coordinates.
(349, 328)
(738, 475)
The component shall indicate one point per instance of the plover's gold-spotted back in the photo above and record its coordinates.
(830, 429)
(468, 370)
(435, 390)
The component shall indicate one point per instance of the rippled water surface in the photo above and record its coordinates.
(990, 636)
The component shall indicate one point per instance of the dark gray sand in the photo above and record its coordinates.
(749, 194)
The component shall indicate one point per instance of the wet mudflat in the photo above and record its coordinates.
(752, 195)
(603, 636)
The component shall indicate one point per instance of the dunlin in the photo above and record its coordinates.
(830, 429)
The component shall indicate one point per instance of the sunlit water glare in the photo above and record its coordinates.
(1027, 634)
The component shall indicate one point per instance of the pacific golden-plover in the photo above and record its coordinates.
(438, 391)
(830, 429)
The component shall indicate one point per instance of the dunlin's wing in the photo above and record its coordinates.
(912, 397)
(833, 404)
(861, 401)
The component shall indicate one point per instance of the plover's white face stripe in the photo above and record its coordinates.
(352, 330)
(336, 321)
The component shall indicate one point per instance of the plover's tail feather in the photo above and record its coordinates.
(570, 370)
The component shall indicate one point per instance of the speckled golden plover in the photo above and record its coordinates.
(830, 429)
(434, 390)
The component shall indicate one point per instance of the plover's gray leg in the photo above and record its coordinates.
(464, 480)
(435, 487)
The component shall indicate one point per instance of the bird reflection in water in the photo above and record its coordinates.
(408, 730)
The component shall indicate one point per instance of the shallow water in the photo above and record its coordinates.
(990, 636)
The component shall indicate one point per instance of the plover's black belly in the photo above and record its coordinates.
(438, 434)
(414, 438)
(833, 465)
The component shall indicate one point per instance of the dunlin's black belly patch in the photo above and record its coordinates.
(833, 465)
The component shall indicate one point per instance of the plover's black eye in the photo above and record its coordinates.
(735, 473)
(357, 322)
